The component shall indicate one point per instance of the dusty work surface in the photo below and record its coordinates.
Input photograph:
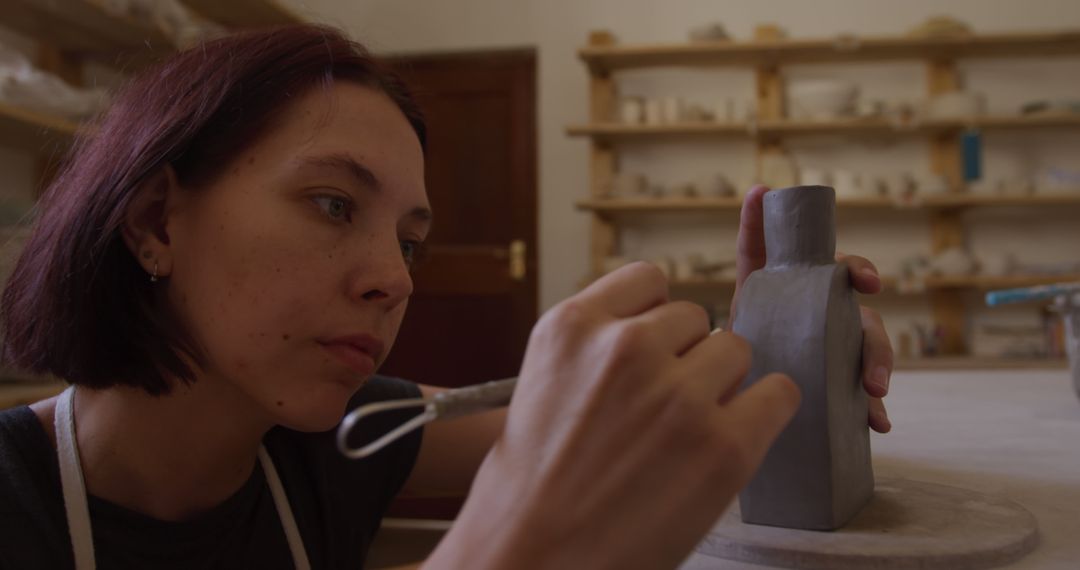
(1013, 435)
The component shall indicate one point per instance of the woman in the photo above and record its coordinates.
(220, 270)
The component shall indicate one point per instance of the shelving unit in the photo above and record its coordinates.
(777, 128)
(769, 128)
(610, 206)
(69, 33)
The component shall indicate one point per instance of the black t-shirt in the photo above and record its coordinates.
(337, 502)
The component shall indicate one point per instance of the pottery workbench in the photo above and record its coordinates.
(1013, 434)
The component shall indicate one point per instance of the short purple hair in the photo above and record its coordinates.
(78, 305)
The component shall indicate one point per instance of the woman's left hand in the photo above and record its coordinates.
(877, 350)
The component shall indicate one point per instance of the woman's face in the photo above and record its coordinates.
(292, 269)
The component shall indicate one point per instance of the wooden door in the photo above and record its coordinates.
(476, 294)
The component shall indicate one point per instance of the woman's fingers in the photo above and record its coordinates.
(879, 418)
(676, 327)
(718, 363)
(757, 415)
(877, 353)
(751, 239)
(864, 274)
(628, 291)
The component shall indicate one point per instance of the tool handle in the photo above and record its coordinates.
(994, 298)
(471, 399)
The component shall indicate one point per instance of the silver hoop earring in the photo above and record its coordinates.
(153, 276)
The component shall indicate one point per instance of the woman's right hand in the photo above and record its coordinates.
(625, 440)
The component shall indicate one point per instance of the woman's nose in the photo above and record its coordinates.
(382, 276)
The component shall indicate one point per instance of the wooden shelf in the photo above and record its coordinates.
(946, 201)
(244, 13)
(828, 50)
(31, 131)
(617, 131)
(82, 26)
(979, 363)
(982, 282)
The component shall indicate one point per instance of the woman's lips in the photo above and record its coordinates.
(358, 352)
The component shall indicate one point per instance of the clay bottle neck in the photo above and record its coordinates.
(800, 226)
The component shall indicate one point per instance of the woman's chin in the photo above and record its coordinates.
(314, 411)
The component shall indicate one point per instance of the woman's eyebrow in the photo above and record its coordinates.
(345, 163)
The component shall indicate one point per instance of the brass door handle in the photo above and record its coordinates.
(517, 260)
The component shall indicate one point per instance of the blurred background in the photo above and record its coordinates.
(571, 137)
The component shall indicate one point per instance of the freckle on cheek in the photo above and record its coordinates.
(285, 337)
(280, 403)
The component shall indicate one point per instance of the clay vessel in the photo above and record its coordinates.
(801, 317)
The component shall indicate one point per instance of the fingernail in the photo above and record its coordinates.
(880, 378)
(881, 418)
(868, 272)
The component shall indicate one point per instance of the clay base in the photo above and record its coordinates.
(907, 525)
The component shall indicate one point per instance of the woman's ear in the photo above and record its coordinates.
(145, 222)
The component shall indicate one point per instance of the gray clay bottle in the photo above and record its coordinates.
(800, 315)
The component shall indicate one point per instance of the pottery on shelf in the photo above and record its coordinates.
(801, 318)
(821, 99)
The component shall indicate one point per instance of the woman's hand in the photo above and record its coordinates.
(618, 451)
(877, 350)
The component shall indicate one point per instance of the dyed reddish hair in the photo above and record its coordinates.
(78, 305)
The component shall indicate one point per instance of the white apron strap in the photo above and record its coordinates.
(288, 522)
(78, 513)
(71, 480)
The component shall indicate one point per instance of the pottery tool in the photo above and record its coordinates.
(1066, 303)
(995, 298)
(443, 406)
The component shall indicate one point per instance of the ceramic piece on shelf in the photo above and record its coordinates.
(800, 315)
(713, 32)
(696, 113)
(683, 268)
(745, 110)
(930, 184)
(985, 186)
(955, 105)
(821, 99)
(724, 110)
(769, 33)
(954, 261)
(847, 183)
(901, 187)
(941, 27)
(715, 186)
(900, 113)
(712, 266)
(875, 187)
(869, 108)
(688, 190)
(1019, 186)
(654, 112)
(996, 264)
(814, 177)
(1058, 180)
(655, 191)
(672, 110)
(631, 110)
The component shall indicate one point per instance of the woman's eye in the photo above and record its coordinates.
(336, 207)
(410, 250)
